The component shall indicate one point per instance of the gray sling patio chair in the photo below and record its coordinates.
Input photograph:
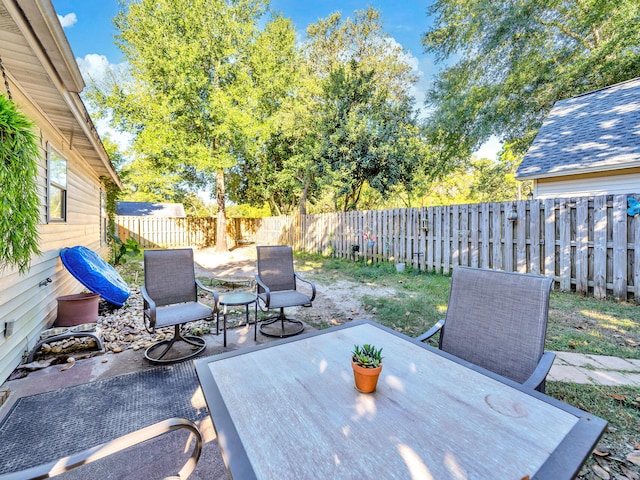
(170, 296)
(120, 444)
(277, 288)
(498, 320)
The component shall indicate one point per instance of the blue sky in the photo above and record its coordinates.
(89, 28)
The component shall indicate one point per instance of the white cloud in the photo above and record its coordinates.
(69, 20)
(93, 66)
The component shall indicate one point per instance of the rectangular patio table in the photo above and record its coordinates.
(289, 410)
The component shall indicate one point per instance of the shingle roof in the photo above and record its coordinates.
(596, 131)
(150, 209)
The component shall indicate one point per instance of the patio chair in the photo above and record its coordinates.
(170, 295)
(90, 455)
(498, 320)
(277, 288)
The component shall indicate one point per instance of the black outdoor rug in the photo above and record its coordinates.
(47, 426)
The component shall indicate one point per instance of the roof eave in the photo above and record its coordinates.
(566, 173)
(53, 41)
(56, 56)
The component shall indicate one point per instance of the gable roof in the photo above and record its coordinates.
(596, 131)
(150, 209)
(39, 62)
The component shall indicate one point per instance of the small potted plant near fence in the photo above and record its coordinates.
(366, 361)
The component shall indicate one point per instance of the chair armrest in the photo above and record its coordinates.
(147, 300)
(538, 376)
(216, 298)
(90, 455)
(431, 332)
(267, 291)
(313, 287)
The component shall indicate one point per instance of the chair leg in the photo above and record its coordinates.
(294, 326)
(151, 353)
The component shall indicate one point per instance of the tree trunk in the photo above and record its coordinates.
(303, 198)
(221, 223)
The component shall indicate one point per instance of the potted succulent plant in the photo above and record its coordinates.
(366, 361)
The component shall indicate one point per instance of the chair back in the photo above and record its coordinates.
(275, 267)
(169, 276)
(497, 320)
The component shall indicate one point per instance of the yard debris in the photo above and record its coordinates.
(629, 474)
(602, 451)
(634, 457)
(70, 363)
(601, 472)
(38, 365)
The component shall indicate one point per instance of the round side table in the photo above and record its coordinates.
(236, 299)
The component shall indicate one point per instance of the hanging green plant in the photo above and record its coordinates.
(19, 202)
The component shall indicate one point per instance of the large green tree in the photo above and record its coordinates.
(192, 100)
(506, 63)
(368, 138)
(368, 132)
(262, 176)
(346, 120)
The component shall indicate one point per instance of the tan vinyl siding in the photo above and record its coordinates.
(34, 307)
(588, 185)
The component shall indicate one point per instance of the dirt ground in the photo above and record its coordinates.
(334, 305)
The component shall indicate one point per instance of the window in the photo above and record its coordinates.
(57, 203)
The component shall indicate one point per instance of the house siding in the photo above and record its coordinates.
(31, 306)
(588, 185)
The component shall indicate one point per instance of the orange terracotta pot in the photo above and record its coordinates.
(366, 379)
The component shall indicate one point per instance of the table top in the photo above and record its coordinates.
(432, 415)
(237, 298)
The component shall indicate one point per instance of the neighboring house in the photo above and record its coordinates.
(44, 81)
(588, 145)
(150, 209)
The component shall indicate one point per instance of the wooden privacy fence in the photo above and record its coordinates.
(167, 232)
(173, 232)
(587, 244)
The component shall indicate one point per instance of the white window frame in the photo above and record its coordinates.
(103, 218)
(56, 183)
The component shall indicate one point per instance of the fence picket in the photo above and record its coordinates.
(484, 225)
(521, 237)
(565, 245)
(581, 257)
(534, 235)
(619, 247)
(600, 247)
(455, 235)
(507, 248)
(550, 238)
(474, 232)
